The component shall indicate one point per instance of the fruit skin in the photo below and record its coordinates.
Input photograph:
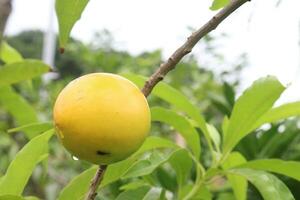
(101, 118)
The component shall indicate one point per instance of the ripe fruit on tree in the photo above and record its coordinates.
(101, 118)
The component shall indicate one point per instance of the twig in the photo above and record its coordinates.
(189, 44)
(169, 65)
(5, 9)
(95, 183)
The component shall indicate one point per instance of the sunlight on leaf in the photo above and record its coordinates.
(269, 186)
(9, 54)
(252, 104)
(287, 168)
(20, 71)
(214, 135)
(217, 4)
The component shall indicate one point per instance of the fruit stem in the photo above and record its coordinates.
(95, 183)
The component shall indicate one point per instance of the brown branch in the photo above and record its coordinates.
(187, 47)
(5, 9)
(169, 65)
(95, 183)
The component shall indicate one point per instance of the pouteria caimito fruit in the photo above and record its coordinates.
(101, 118)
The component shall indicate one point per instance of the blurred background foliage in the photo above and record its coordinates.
(213, 93)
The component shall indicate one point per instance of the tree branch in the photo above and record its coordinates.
(169, 65)
(95, 183)
(187, 47)
(5, 9)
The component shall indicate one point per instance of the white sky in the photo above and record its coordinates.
(269, 34)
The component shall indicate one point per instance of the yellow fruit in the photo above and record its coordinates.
(101, 118)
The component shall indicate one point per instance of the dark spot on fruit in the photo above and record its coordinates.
(102, 153)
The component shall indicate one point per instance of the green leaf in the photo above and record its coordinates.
(220, 103)
(203, 194)
(253, 103)
(238, 183)
(31, 198)
(79, 185)
(175, 98)
(9, 54)
(287, 168)
(217, 4)
(153, 194)
(138, 193)
(11, 197)
(20, 71)
(214, 135)
(34, 128)
(134, 185)
(15, 197)
(225, 196)
(142, 193)
(18, 107)
(277, 145)
(213, 171)
(115, 171)
(182, 170)
(164, 177)
(163, 195)
(267, 184)
(12, 102)
(225, 123)
(278, 113)
(154, 142)
(147, 166)
(68, 13)
(21, 168)
(181, 124)
(229, 93)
